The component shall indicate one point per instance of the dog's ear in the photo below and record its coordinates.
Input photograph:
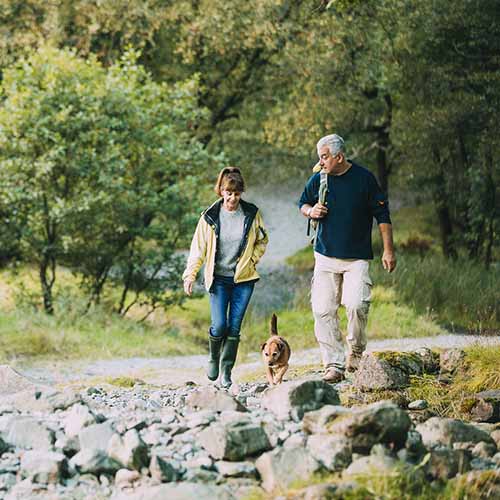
(262, 346)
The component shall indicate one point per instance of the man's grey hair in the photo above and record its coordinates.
(334, 142)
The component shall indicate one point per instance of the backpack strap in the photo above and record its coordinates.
(322, 193)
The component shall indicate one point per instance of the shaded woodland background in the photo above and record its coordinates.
(116, 115)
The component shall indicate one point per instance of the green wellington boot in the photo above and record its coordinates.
(214, 347)
(227, 360)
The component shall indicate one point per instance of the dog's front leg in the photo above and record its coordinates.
(269, 375)
(279, 374)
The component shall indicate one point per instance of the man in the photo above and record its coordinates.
(342, 250)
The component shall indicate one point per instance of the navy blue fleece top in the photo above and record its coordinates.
(353, 200)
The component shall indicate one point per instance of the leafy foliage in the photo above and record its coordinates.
(97, 171)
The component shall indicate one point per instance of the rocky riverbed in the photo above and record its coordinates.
(199, 441)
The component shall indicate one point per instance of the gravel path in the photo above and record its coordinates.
(175, 371)
(287, 229)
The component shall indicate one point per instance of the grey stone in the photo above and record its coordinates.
(7, 481)
(43, 399)
(3, 446)
(317, 492)
(381, 422)
(200, 475)
(94, 461)
(12, 382)
(316, 421)
(96, 436)
(419, 404)
(26, 432)
(179, 491)
(333, 452)
(234, 441)
(371, 464)
(125, 477)
(293, 399)
(78, 417)
(495, 435)
(129, 450)
(281, 467)
(486, 407)
(162, 470)
(431, 359)
(213, 399)
(387, 370)
(43, 466)
(438, 431)
(445, 463)
(484, 450)
(478, 463)
(450, 360)
(68, 445)
(236, 469)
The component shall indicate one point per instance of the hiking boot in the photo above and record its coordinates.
(214, 347)
(332, 375)
(227, 360)
(353, 361)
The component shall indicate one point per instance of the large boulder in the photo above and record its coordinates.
(43, 466)
(234, 441)
(381, 422)
(293, 399)
(486, 407)
(129, 450)
(388, 370)
(12, 381)
(93, 461)
(445, 463)
(318, 420)
(438, 431)
(211, 398)
(78, 417)
(451, 360)
(27, 432)
(162, 470)
(43, 399)
(96, 436)
(282, 466)
(333, 452)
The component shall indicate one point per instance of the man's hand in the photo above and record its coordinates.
(188, 286)
(389, 261)
(318, 211)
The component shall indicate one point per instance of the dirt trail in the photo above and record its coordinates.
(175, 371)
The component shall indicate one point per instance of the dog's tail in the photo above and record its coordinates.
(274, 325)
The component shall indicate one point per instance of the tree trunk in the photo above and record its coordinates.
(383, 143)
(47, 267)
(442, 209)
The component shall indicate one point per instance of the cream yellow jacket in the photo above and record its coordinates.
(204, 244)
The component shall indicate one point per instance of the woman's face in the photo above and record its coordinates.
(231, 199)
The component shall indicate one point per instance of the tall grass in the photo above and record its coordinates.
(461, 295)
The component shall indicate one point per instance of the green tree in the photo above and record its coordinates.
(447, 119)
(97, 170)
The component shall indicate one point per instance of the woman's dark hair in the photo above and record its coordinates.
(229, 179)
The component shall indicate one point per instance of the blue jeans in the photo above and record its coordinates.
(226, 294)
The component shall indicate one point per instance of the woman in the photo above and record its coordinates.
(230, 238)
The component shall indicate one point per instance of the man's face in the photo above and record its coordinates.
(331, 164)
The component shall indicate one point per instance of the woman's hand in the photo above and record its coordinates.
(188, 286)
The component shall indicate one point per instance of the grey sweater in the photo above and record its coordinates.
(231, 233)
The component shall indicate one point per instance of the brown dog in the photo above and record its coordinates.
(275, 353)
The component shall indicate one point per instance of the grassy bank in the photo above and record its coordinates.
(425, 294)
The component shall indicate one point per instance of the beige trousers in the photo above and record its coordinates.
(336, 282)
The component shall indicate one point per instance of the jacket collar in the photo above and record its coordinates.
(211, 214)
